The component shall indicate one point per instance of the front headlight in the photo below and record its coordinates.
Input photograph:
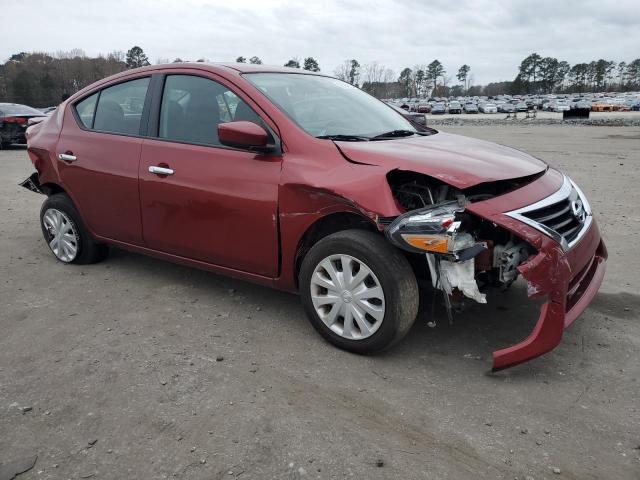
(432, 229)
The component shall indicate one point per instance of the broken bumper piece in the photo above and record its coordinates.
(32, 183)
(569, 280)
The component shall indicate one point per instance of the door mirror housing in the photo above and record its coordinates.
(243, 134)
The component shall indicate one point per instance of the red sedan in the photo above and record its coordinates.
(305, 183)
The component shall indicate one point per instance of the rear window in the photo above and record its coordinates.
(120, 107)
(19, 110)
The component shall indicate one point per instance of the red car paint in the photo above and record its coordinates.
(468, 161)
(238, 132)
(245, 214)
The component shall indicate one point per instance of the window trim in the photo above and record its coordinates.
(153, 130)
(142, 131)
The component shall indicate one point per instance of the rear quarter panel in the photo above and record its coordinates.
(42, 142)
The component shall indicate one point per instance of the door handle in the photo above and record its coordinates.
(66, 157)
(160, 170)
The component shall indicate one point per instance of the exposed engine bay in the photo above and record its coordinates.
(464, 253)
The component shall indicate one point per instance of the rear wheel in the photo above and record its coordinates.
(358, 291)
(66, 235)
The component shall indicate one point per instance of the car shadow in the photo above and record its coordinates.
(507, 318)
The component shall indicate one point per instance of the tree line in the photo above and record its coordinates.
(45, 79)
(547, 75)
(536, 75)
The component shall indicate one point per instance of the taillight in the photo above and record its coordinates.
(18, 120)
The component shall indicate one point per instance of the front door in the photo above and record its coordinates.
(212, 203)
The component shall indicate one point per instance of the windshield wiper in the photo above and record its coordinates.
(345, 138)
(397, 133)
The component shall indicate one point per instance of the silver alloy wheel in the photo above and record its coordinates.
(347, 297)
(63, 238)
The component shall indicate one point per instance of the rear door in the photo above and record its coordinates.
(219, 204)
(100, 146)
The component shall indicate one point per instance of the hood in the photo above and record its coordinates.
(459, 161)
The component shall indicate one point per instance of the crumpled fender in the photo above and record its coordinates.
(314, 187)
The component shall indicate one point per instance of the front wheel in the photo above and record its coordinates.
(358, 291)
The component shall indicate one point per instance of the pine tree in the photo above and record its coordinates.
(136, 58)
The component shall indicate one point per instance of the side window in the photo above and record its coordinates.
(86, 108)
(192, 107)
(120, 107)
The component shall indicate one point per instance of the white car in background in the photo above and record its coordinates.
(561, 106)
(488, 108)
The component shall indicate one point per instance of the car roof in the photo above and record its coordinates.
(214, 67)
(239, 67)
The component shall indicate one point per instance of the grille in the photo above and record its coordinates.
(558, 217)
(564, 215)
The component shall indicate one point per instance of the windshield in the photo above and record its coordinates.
(327, 107)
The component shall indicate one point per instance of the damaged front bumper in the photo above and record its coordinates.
(554, 243)
(569, 281)
(567, 274)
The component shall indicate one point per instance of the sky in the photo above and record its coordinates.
(492, 36)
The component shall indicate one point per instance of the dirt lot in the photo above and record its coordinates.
(139, 369)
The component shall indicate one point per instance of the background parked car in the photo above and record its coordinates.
(411, 116)
(470, 107)
(521, 107)
(424, 107)
(561, 106)
(455, 107)
(602, 105)
(14, 119)
(580, 104)
(488, 108)
(438, 109)
(507, 108)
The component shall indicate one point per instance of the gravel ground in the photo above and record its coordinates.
(139, 369)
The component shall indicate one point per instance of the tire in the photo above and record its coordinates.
(87, 250)
(389, 268)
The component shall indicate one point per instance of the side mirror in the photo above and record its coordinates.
(243, 134)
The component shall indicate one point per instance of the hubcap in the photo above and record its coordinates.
(62, 237)
(347, 296)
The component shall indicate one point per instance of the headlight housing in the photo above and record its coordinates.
(433, 229)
